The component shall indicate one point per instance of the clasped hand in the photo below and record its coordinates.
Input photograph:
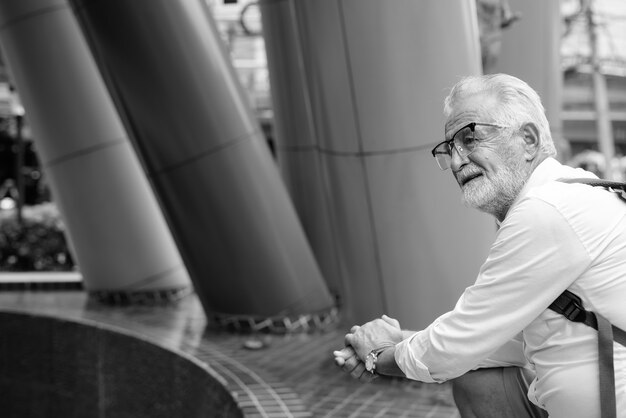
(361, 340)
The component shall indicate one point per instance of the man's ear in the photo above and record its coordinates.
(532, 140)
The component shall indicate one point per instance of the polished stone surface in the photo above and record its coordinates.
(289, 376)
(54, 367)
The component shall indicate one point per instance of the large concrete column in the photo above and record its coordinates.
(206, 156)
(119, 235)
(376, 74)
(297, 149)
(531, 51)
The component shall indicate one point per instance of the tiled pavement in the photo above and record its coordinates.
(291, 376)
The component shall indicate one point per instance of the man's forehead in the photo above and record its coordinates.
(473, 108)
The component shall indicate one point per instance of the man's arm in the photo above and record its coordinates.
(536, 256)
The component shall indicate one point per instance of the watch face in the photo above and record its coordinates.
(369, 362)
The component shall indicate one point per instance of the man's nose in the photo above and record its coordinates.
(456, 160)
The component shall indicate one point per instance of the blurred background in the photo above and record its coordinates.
(574, 55)
(174, 169)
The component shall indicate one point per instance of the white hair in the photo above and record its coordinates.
(518, 103)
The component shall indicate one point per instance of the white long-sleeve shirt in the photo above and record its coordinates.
(556, 236)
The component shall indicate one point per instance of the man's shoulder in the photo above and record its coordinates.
(541, 206)
(572, 201)
(556, 191)
(544, 182)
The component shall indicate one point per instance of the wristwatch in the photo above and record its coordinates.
(372, 358)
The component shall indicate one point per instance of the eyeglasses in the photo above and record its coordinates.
(464, 141)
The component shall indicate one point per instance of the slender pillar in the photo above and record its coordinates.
(604, 128)
(531, 51)
(206, 156)
(119, 235)
(375, 75)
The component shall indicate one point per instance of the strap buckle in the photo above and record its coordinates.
(573, 310)
(621, 192)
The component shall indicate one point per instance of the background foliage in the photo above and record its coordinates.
(39, 244)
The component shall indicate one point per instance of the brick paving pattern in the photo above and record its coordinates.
(290, 376)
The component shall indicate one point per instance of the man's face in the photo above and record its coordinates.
(492, 176)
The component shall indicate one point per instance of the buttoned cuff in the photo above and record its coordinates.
(408, 360)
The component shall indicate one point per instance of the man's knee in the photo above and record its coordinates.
(480, 393)
(477, 383)
(495, 392)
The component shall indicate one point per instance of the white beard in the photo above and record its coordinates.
(496, 195)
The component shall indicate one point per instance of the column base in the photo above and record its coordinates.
(143, 297)
(302, 323)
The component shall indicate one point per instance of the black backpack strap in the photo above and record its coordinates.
(606, 367)
(571, 307)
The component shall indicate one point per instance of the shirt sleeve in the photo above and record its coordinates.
(535, 257)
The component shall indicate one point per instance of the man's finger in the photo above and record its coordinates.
(354, 329)
(343, 355)
(391, 321)
(358, 371)
(345, 352)
(368, 377)
(350, 364)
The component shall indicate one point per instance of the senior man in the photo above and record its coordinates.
(509, 355)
